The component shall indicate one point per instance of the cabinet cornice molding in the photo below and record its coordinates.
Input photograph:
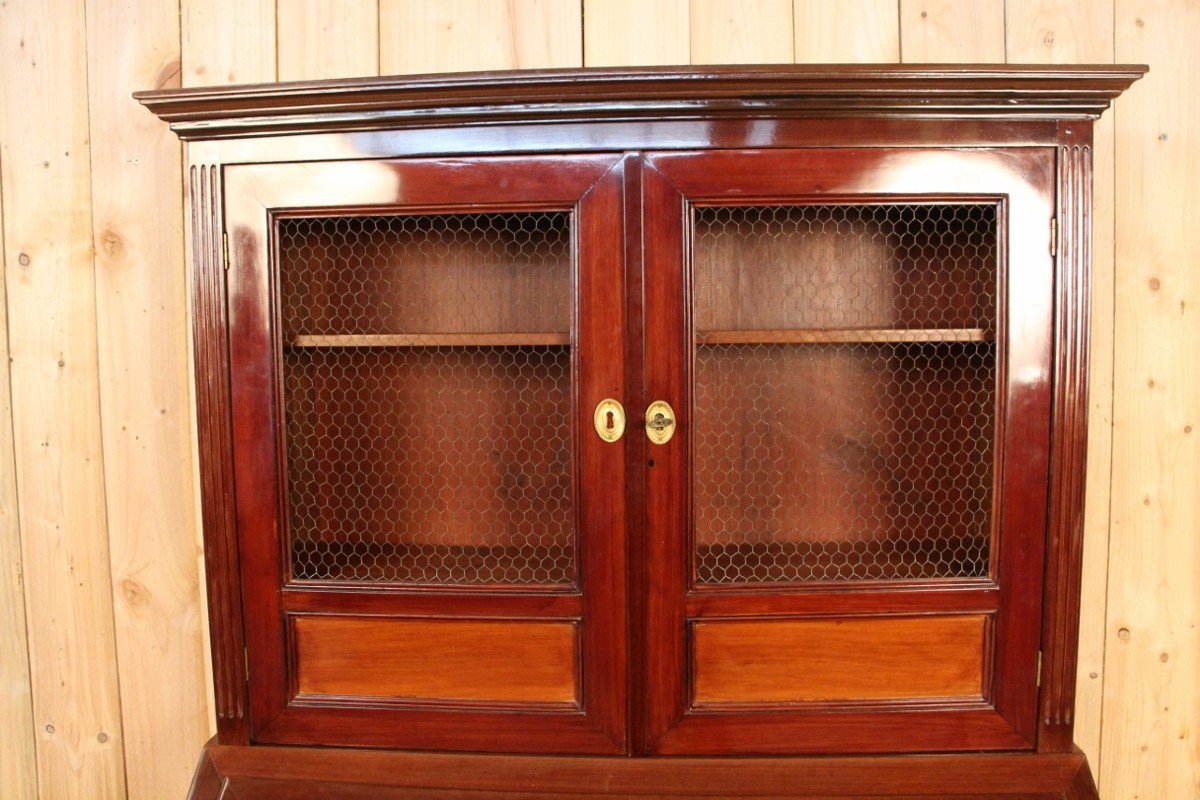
(751, 92)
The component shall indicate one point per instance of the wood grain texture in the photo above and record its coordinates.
(208, 783)
(433, 603)
(590, 184)
(145, 407)
(211, 395)
(18, 757)
(326, 39)
(438, 659)
(741, 31)
(227, 41)
(848, 335)
(55, 399)
(223, 41)
(1152, 664)
(1089, 681)
(783, 661)
(417, 106)
(433, 340)
(951, 31)
(831, 601)
(1064, 546)
(846, 31)
(416, 36)
(776, 176)
(660, 35)
(1071, 31)
(236, 34)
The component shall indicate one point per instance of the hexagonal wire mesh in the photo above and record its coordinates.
(426, 383)
(845, 390)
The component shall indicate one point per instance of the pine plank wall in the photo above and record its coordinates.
(104, 685)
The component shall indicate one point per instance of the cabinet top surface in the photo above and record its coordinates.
(936, 91)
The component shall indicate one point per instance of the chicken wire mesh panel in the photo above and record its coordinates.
(427, 398)
(844, 392)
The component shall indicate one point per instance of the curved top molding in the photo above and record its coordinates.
(485, 98)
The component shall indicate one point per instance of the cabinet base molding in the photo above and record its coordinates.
(241, 772)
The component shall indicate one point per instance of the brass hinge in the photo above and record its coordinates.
(246, 662)
(1054, 236)
(225, 249)
(1039, 668)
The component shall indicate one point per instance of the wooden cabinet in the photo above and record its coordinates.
(555, 418)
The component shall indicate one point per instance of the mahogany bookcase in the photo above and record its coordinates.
(696, 432)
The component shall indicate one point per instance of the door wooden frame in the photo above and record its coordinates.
(1021, 181)
(590, 187)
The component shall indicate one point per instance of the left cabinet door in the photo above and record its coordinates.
(431, 529)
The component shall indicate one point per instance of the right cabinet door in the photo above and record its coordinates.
(845, 528)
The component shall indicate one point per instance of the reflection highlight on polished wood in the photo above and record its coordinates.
(786, 661)
(437, 659)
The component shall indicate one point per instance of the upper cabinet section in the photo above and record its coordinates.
(673, 93)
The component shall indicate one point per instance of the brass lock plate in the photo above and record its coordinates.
(660, 422)
(609, 420)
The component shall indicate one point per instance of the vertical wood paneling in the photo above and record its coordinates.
(1152, 667)
(327, 39)
(847, 31)
(741, 31)
(951, 31)
(18, 757)
(55, 398)
(246, 54)
(1063, 32)
(461, 35)
(635, 32)
(137, 217)
(227, 41)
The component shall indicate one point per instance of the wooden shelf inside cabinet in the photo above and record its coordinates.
(433, 340)
(846, 336)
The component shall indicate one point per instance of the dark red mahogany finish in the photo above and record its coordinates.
(589, 186)
(628, 154)
(1004, 717)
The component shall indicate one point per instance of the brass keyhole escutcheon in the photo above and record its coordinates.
(609, 420)
(660, 422)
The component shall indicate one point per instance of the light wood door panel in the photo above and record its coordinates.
(786, 661)
(437, 660)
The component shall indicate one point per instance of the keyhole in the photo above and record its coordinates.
(608, 416)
